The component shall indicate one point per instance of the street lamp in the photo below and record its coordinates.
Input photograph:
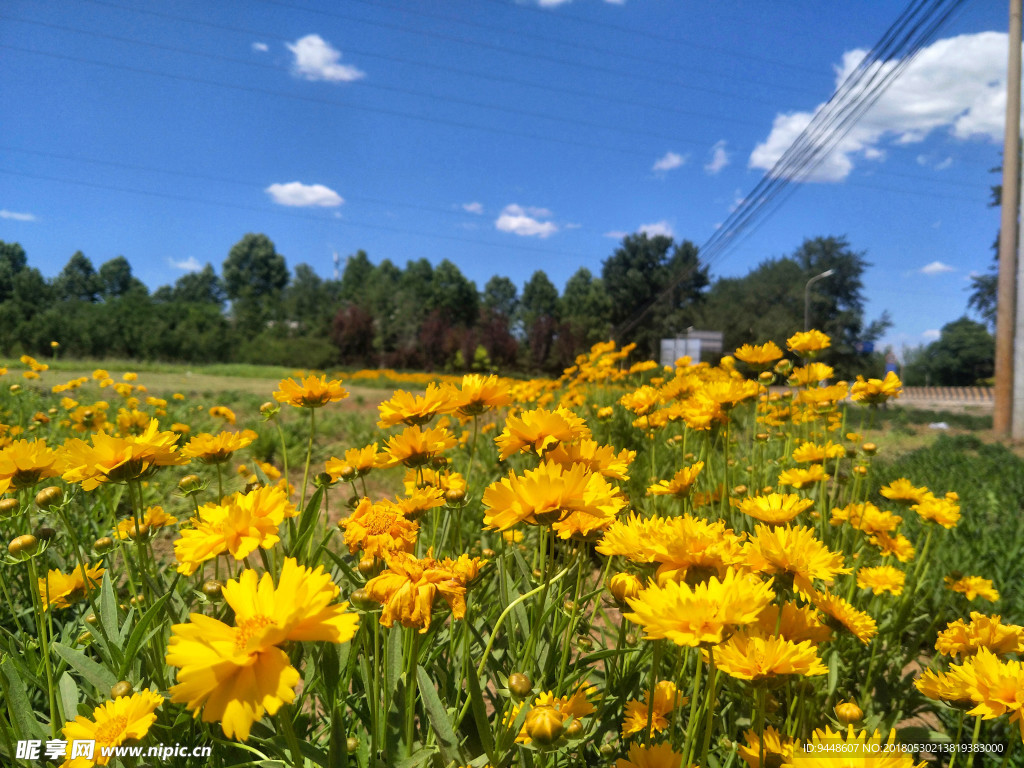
(807, 296)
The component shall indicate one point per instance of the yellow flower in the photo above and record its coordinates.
(641, 401)
(808, 341)
(414, 410)
(132, 421)
(881, 578)
(701, 614)
(972, 587)
(113, 723)
(760, 356)
(62, 589)
(238, 525)
(552, 711)
(595, 457)
(778, 749)
(425, 477)
(379, 529)
(904, 492)
(666, 699)
(680, 484)
(953, 687)
(118, 459)
(798, 623)
(571, 500)
(809, 453)
(899, 546)
(478, 394)
(23, 463)
(795, 552)
(858, 750)
(223, 412)
(217, 449)
(415, 446)
(311, 392)
(811, 375)
(857, 623)
(762, 659)
(775, 508)
(961, 638)
(236, 673)
(866, 517)
(656, 756)
(154, 517)
(408, 587)
(540, 430)
(799, 477)
(357, 462)
(945, 512)
(998, 688)
(876, 391)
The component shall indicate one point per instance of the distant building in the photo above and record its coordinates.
(691, 344)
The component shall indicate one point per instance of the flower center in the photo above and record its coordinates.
(246, 629)
(112, 731)
(379, 522)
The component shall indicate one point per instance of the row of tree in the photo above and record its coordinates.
(425, 315)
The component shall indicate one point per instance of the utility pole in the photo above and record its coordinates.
(1007, 314)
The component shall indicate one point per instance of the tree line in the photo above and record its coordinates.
(430, 316)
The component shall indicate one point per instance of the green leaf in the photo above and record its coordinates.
(833, 672)
(476, 701)
(416, 759)
(307, 523)
(108, 607)
(439, 719)
(139, 632)
(16, 695)
(97, 675)
(68, 696)
(918, 734)
(393, 671)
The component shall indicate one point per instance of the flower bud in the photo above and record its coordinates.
(860, 470)
(8, 507)
(190, 484)
(739, 490)
(362, 600)
(624, 585)
(488, 553)
(212, 588)
(454, 496)
(575, 729)
(84, 639)
(847, 712)
(269, 410)
(367, 566)
(783, 367)
(23, 546)
(584, 643)
(91, 619)
(631, 639)
(49, 497)
(123, 688)
(766, 377)
(439, 462)
(323, 480)
(45, 533)
(351, 744)
(519, 685)
(15, 388)
(870, 448)
(544, 725)
(607, 750)
(138, 532)
(103, 544)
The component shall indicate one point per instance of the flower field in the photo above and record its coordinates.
(630, 566)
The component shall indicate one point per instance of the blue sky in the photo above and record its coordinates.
(505, 136)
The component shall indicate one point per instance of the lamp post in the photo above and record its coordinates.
(807, 296)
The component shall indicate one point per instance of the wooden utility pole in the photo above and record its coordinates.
(1006, 310)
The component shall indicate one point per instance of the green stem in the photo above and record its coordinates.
(309, 456)
(959, 733)
(285, 721)
(710, 704)
(410, 691)
(44, 644)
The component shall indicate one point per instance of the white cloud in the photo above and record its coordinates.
(656, 228)
(552, 3)
(15, 216)
(719, 158)
(189, 265)
(315, 59)
(931, 335)
(936, 268)
(616, 234)
(300, 195)
(669, 161)
(260, 47)
(474, 207)
(525, 222)
(957, 85)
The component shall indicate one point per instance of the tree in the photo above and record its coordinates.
(354, 277)
(115, 279)
(501, 296)
(454, 295)
(652, 292)
(538, 311)
(12, 261)
(306, 301)
(78, 280)
(963, 355)
(202, 287)
(584, 308)
(255, 275)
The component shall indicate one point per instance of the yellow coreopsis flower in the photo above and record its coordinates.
(559, 710)
(701, 614)
(778, 749)
(898, 546)
(414, 410)
(118, 459)
(651, 756)
(540, 430)
(811, 375)
(811, 453)
(153, 517)
(223, 412)
(409, 586)
(239, 525)
(415, 446)
(642, 400)
(808, 342)
(680, 484)
(762, 659)
(666, 698)
(961, 638)
(799, 477)
(61, 589)
(972, 587)
(113, 723)
(997, 688)
(23, 463)
(378, 529)
(858, 623)
(759, 356)
(356, 463)
(876, 391)
(236, 673)
(904, 492)
(866, 517)
(217, 449)
(953, 687)
(798, 623)
(795, 552)
(595, 457)
(832, 749)
(881, 578)
(310, 392)
(775, 508)
(944, 511)
(478, 394)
